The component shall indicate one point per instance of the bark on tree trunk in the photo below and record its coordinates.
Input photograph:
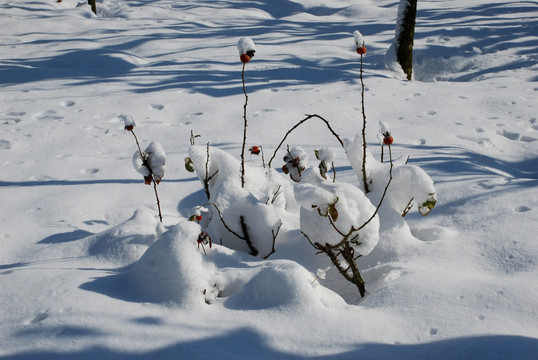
(405, 34)
(93, 5)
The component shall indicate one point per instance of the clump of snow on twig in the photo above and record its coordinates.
(245, 45)
(359, 39)
(151, 161)
(326, 154)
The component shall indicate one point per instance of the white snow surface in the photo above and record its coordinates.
(88, 272)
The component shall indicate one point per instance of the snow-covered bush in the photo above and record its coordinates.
(244, 218)
(338, 220)
(248, 209)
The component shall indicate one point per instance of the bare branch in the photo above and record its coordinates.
(308, 117)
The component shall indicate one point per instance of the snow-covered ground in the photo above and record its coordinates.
(87, 273)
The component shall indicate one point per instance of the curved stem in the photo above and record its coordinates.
(138, 144)
(308, 117)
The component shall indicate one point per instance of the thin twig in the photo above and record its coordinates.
(382, 150)
(275, 195)
(157, 196)
(364, 177)
(208, 178)
(224, 223)
(382, 196)
(408, 207)
(138, 145)
(244, 128)
(145, 163)
(245, 237)
(263, 158)
(273, 249)
(253, 250)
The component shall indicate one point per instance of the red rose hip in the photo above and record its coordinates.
(361, 50)
(244, 58)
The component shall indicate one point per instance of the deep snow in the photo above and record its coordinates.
(82, 274)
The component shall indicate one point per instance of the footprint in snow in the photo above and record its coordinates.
(13, 117)
(38, 318)
(68, 103)
(90, 171)
(493, 183)
(5, 145)
(47, 115)
(433, 233)
(515, 136)
(16, 113)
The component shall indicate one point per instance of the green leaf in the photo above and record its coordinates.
(426, 207)
(189, 165)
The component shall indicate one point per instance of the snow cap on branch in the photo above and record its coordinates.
(325, 154)
(128, 122)
(246, 49)
(151, 162)
(359, 40)
(138, 163)
(359, 43)
(384, 131)
(296, 162)
(156, 160)
(246, 45)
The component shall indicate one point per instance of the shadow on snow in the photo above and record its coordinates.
(246, 343)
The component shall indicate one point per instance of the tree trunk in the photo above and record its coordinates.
(405, 34)
(94, 7)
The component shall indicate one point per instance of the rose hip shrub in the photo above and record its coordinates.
(251, 208)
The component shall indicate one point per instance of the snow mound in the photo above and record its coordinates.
(126, 242)
(283, 284)
(172, 270)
